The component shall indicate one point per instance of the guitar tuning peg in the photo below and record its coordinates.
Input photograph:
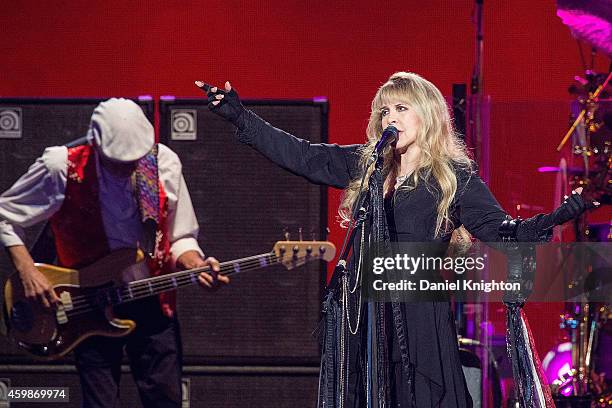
(312, 234)
(300, 236)
(286, 233)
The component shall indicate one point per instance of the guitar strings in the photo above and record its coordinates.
(86, 303)
(182, 276)
(227, 268)
(144, 291)
(164, 284)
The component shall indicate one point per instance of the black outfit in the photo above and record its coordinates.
(154, 351)
(411, 217)
(423, 334)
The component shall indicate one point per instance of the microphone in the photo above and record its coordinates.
(389, 136)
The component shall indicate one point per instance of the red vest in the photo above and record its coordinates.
(80, 238)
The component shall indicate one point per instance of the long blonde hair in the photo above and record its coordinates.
(441, 149)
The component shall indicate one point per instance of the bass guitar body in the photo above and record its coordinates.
(85, 309)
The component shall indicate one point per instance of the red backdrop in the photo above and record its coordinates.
(299, 49)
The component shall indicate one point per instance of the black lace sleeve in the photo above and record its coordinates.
(328, 164)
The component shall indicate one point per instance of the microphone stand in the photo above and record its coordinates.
(333, 375)
(333, 380)
(477, 84)
(476, 137)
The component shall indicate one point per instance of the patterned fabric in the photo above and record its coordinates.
(146, 180)
(532, 389)
(153, 204)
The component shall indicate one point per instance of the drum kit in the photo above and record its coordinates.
(580, 369)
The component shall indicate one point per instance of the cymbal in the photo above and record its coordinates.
(590, 21)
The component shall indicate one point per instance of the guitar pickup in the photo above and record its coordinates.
(61, 316)
(66, 300)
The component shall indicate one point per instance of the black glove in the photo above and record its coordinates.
(573, 207)
(229, 108)
(539, 227)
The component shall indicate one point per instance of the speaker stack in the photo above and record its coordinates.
(246, 344)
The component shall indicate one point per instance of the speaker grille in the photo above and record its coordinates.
(243, 203)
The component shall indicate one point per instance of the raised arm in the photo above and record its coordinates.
(328, 164)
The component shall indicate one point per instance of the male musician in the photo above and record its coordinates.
(119, 191)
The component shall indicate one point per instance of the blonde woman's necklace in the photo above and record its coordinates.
(399, 180)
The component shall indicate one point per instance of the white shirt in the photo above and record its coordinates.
(39, 194)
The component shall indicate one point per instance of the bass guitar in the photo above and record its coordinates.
(88, 295)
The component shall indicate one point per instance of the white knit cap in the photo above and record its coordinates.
(121, 130)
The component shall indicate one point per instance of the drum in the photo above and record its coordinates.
(557, 363)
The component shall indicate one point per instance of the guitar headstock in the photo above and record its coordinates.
(296, 253)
